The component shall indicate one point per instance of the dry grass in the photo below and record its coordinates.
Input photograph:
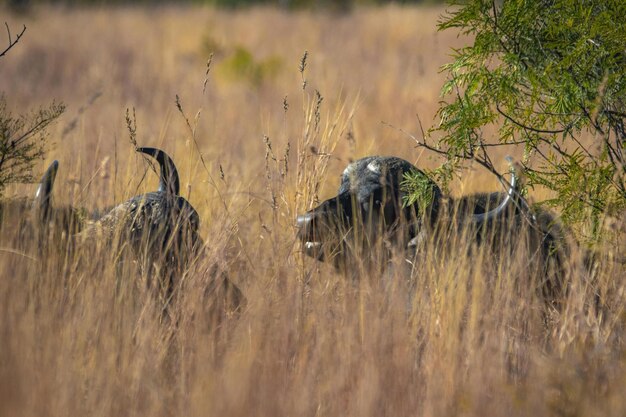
(82, 336)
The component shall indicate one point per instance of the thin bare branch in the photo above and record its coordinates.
(12, 42)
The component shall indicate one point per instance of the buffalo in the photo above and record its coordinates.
(373, 217)
(156, 227)
(159, 231)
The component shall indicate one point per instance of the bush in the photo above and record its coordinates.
(23, 138)
(550, 76)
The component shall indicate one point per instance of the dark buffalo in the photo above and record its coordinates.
(370, 219)
(157, 227)
(159, 230)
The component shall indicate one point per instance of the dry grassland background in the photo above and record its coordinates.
(254, 149)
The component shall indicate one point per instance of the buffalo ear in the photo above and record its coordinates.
(43, 195)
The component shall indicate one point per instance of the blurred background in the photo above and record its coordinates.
(379, 61)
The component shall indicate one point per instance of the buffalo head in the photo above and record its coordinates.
(372, 207)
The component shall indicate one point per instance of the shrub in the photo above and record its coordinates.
(550, 76)
(23, 138)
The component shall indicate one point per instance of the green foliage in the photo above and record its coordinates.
(419, 189)
(22, 141)
(241, 65)
(550, 76)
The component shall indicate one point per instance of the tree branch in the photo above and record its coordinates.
(12, 42)
(532, 129)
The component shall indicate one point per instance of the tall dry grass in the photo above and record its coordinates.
(456, 335)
